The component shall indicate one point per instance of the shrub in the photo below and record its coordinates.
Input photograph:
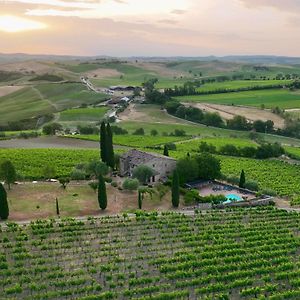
(130, 184)
(269, 192)
(118, 130)
(191, 197)
(251, 185)
(171, 146)
(114, 184)
(78, 174)
(139, 131)
(64, 182)
(93, 185)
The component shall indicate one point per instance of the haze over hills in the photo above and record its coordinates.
(255, 59)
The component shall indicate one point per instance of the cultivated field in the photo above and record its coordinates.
(239, 254)
(94, 114)
(23, 104)
(237, 84)
(252, 114)
(269, 98)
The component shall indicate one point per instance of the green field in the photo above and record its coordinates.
(270, 98)
(83, 114)
(248, 254)
(203, 131)
(237, 84)
(193, 146)
(23, 104)
(69, 95)
(294, 151)
(139, 141)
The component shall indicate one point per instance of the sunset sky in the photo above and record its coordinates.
(150, 27)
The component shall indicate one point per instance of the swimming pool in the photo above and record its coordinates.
(232, 198)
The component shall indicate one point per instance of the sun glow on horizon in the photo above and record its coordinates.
(13, 24)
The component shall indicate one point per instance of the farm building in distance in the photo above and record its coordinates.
(162, 165)
(122, 88)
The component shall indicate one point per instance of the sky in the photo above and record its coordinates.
(150, 27)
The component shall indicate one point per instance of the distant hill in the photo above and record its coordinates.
(252, 59)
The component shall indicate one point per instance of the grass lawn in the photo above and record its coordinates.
(23, 104)
(83, 114)
(270, 98)
(37, 200)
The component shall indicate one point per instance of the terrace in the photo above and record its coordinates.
(232, 193)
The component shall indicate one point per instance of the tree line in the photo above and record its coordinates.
(190, 89)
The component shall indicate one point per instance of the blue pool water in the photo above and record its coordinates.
(232, 198)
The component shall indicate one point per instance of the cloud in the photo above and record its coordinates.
(178, 12)
(283, 5)
(59, 3)
(168, 21)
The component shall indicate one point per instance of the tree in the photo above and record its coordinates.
(103, 143)
(166, 150)
(242, 180)
(95, 168)
(187, 169)
(8, 172)
(139, 131)
(64, 182)
(130, 184)
(209, 167)
(4, 210)
(93, 185)
(57, 206)
(51, 129)
(109, 147)
(140, 200)
(49, 172)
(175, 189)
(143, 173)
(154, 132)
(102, 197)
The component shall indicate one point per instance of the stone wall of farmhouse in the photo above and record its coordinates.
(163, 167)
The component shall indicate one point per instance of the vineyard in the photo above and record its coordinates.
(270, 174)
(237, 254)
(30, 163)
(281, 177)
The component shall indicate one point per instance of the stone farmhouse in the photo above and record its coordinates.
(162, 165)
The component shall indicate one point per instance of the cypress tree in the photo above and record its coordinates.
(140, 200)
(110, 147)
(4, 210)
(103, 142)
(166, 150)
(102, 197)
(242, 180)
(175, 189)
(57, 207)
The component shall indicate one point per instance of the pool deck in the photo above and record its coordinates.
(216, 189)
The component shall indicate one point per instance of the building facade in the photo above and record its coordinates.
(162, 165)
